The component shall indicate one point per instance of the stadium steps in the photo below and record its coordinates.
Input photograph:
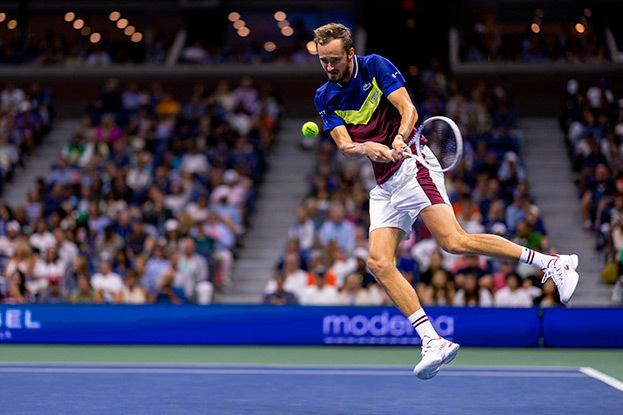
(38, 164)
(284, 187)
(549, 173)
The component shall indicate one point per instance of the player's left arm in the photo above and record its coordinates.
(402, 101)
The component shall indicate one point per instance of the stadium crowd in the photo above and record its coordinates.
(56, 50)
(592, 121)
(563, 45)
(25, 118)
(147, 200)
(324, 260)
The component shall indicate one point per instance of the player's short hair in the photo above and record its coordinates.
(331, 31)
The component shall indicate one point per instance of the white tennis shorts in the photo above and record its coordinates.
(397, 202)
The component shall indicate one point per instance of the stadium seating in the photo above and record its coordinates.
(147, 201)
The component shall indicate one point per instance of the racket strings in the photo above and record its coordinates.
(441, 140)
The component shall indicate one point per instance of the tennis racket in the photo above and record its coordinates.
(439, 137)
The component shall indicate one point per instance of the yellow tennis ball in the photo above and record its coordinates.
(310, 129)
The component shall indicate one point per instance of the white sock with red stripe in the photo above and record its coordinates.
(534, 258)
(422, 324)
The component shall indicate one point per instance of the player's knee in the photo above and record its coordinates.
(455, 244)
(378, 265)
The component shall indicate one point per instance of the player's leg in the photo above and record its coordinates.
(442, 223)
(435, 350)
(382, 251)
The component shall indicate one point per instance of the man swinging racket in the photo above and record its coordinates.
(368, 111)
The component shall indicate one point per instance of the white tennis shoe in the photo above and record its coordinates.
(562, 270)
(435, 352)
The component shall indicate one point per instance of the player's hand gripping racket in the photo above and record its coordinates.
(442, 136)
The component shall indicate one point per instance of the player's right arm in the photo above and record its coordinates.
(375, 151)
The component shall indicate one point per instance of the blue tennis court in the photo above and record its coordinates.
(259, 389)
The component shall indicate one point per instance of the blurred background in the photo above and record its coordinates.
(151, 152)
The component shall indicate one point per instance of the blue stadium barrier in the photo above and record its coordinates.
(583, 327)
(258, 325)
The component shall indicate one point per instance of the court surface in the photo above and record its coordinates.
(303, 380)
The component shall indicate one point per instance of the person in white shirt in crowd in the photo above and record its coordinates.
(303, 228)
(471, 295)
(192, 273)
(177, 198)
(295, 278)
(513, 295)
(133, 98)
(193, 161)
(47, 265)
(99, 57)
(199, 210)
(11, 97)
(67, 250)
(139, 177)
(42, 238)
(194, 53)
(353, 293)
(132, 292)
(320, 293)
(9, 241)
(107, 282)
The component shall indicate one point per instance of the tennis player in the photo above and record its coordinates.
(368, 111)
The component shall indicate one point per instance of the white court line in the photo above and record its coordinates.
(188, 365)
(324, 372)
(602, 377)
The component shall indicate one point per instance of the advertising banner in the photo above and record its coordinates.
(257, 325)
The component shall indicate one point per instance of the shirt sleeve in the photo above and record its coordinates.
(330, 120)
(387, 75)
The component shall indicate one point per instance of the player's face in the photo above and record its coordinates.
(335, 61)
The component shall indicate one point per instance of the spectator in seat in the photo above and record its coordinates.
(471, 295)
(41, 239)
(320, 293)
(24, 260)
(473, 264)
(107, 282)
(67, 250)
(338, 228)
(166, 293)
(513, 295)
(598, 193)
(47, 265)
(303, 228)
(353, 293)
(84, 293)
(132, 293)
(295, 279)
(138, 240)
(54, 293)
(108, 243)
(17, 293)
(280, 296)
(156, 265)
(222, 232)
(78, 266)
(192, 273)
(108, 131)
(440, 291)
